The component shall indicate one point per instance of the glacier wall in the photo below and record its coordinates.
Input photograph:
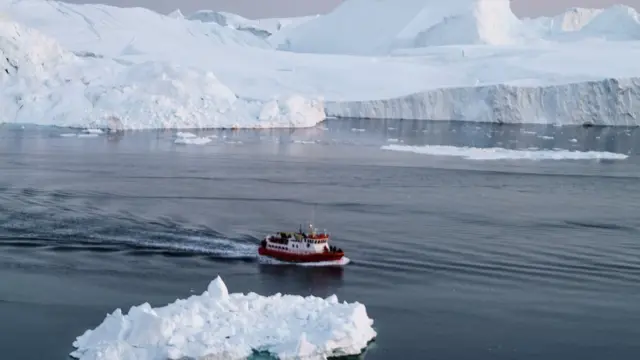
(612, 102)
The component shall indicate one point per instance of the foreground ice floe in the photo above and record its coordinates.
(472, 153)
(469, 60)
(219, 325)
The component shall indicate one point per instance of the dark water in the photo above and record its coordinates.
(454, 258)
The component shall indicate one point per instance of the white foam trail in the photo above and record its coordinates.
(270, 261)
(80, 135)
(225, 248)
(222, 247)
(88, 135)
(472, 153)
(342, 262)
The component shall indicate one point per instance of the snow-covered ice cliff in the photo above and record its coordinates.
(503, 54)
(470, 60)
(602, 102)
(44, 84)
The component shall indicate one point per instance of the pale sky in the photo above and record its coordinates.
(283, 8)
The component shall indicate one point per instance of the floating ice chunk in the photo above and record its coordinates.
(192, 141)
(93, 131)
(495, 153)
(219, 325)
(182, 134)
(187, 138)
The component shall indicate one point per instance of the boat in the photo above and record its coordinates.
(300, 247)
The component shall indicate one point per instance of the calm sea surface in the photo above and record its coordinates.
(454, 258)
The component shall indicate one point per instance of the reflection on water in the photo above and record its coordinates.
(319, 280)
(624, 140)
(361, 132)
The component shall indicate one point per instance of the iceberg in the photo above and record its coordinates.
(464, 60)
(498, 68)
(573, 19)
(261, 28)
(413, 23)
(388, 26)
(220, 325)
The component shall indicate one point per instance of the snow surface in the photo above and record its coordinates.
(262, 28)
(219, 325)
(415, 23)
(470, 60)
(471, 153)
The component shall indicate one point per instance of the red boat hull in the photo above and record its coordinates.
(300, 258)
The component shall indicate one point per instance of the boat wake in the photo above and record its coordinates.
(218, 247)
(70, 221)
(186, 246)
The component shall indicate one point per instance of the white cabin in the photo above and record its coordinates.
(299, 242)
